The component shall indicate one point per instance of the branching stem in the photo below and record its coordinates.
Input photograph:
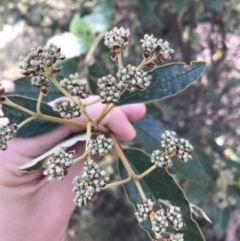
(114, 184)
(10, 103)
(84, 156)
(102, 114)
(120, 64)
(25, 122)
(146, 172)
(92, 102)
(89, 128)
(39, 102)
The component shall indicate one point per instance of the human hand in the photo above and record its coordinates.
(32, 206)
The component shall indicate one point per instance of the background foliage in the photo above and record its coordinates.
(207, 112)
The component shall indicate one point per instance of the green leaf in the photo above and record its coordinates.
(166, 81)
(24, 87)
(216, 5)
(197, 193)
(153, 108)
(146, 10)
(35, 127)
(149, 132)
(78, 26)
(221, 221)
(100, 18)
(159, 184)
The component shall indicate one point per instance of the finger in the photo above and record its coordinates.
(134, 112)
(117, 121)
(119, 124)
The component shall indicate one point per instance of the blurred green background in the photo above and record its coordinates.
(207, 112)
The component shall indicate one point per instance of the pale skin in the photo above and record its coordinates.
(31, 207)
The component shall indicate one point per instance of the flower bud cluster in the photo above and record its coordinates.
(91, 181)
(160, 222)
(117, 40)
(66, 109)
(176, 237)
(37, 58)
(75, 86)
(58, 164)
(223, 200)
(163, 51)
(218, 164)
(184, 150)
(180, 147)
(7, 132)
(149, 45)
(101, 145)
(160, 159)
(169, 141)
(42, 83)
(174, 216)
(133, 78)
(144, 209)
(158, 47)
(109, 90)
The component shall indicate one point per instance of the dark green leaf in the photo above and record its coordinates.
(146, 10)
(216, 5)
(24, 87)
(153, 108)
(35, 127)
(149, 132)
(166, 81)
(221, 221)
(159, 184)
(197, 193)
(79, 27)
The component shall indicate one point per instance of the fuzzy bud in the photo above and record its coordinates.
(160, 159)
(144, 209)
(75, 86)
(117, 40)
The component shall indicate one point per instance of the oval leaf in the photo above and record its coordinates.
(35, 127)
(166, 80)
(159, 184)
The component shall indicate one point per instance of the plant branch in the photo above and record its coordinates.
(92, 102)
(114, 184)
(146, 172)
(102, 114)
(123, 158)
(109, 109)
(89, 129)
(38, 109)
(55, 82)
(63, 121)
(83, 110)
(10, 103)
(120, 64)
(25, 122)
(84, 156)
